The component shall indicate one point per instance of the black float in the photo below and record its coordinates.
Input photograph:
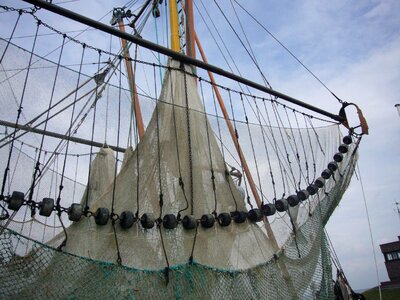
(343, 148)
(207, 220)
(320, 182)
(326, 174)
(189, 222)
(303, 195)
(255, 215)
(347, 139)
(338, 157)
(224, 219)
(46, 207)
(126, 219)
(16, 200)
(333, 166)
(147, 220)
(74, 212)
(312, 189)
(170, 221)
(101, 216)
(268, 209)
(281, 205)
(292, 200)
(239, 216)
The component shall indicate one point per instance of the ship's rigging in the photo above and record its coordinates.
(168, 218)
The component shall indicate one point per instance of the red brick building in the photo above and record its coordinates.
(391, 252)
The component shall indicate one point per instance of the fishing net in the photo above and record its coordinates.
(185, 165)
(238, 261)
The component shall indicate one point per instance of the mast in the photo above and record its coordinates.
(190, 34)
(174, 26)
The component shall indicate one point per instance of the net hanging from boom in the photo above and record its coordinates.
(176, 224)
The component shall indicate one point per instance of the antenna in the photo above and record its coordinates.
(397, 208)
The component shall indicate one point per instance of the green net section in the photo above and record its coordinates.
(75, 277)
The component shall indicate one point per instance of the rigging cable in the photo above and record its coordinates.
(209, 150)
(181, 182)
(189, 139)
(37, 167)
(69, 134)
(161, 196)
(11, 36)
(244, 46)
(86, 208)
(290, 52)
(370, 230)
(251, 143)
(113, 215)
(18, 116)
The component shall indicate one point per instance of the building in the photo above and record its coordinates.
(391, 252)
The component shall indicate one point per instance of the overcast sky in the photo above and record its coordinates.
(354, 48)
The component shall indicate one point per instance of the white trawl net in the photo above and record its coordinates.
(233, 262)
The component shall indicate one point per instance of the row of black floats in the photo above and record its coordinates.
(170, 221)
(283, 205)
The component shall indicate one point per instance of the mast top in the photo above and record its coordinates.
(173, 12)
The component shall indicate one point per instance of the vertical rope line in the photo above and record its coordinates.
(161, 201)
(182, 67)
(266, 148)
(15, 167)
(75, 177)
(57, 166)
(209, 148)
(296, 151)
(69, 133)
(158, 140)
(45, 220)
(136, 140)
(317, 136)
(277, 118)
(107, 98)
(226, 170)
(304, 148)
(26, 210)
(222, 148)
(19, 112)
(88, 190)
(275, 145)
(181, 182)
(312, 153)
(58, 207)
(252, 145)
(37, 192)
(37, 169)
(113, 215)
(11, 36)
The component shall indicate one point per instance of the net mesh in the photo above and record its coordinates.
(235, 262)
